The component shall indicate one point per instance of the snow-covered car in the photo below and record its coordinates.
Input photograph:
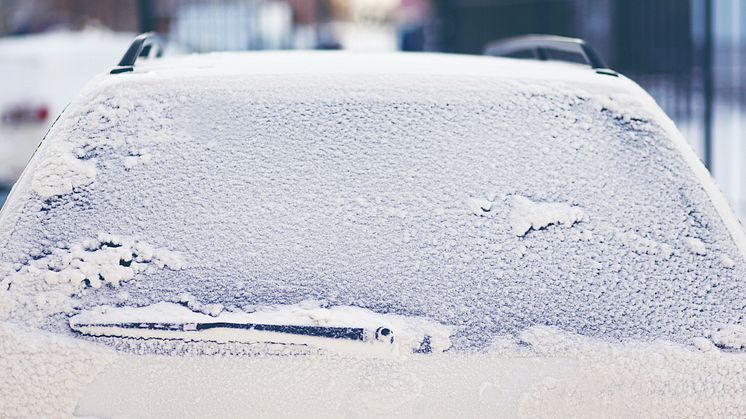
(326, 234)
(39, 75)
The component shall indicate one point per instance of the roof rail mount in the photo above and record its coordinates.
(143, 46)
(539, 45)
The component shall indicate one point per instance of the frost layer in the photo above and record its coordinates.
(50, 282)
(351, 190)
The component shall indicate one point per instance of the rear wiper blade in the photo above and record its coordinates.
(381, 334)
(352, 333)
(317, 336)
(336, 329)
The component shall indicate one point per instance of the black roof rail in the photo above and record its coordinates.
(538, 45)
(142, 46)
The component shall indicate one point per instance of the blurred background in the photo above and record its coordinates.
(689, 54)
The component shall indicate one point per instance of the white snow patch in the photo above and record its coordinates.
(526, 215)
(191, 301)
(61, 171)
(479, 206)
(623, 105)
(695, 245)
(110, 261)
(703, 344)
(644, 246)
(732, 336)
(137, 158)
(48, 282)
(727, 262)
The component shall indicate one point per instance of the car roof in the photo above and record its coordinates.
(391, 63)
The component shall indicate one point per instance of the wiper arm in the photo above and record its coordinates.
(346, 329)
(381, 334)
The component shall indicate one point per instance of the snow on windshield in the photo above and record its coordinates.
(483, 206)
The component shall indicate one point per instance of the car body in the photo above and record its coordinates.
(243, 234)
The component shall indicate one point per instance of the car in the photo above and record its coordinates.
(332, 234)
(39, 75)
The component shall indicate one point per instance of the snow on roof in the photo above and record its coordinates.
(223, 64)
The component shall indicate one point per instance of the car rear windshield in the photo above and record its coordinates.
(481, 204)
